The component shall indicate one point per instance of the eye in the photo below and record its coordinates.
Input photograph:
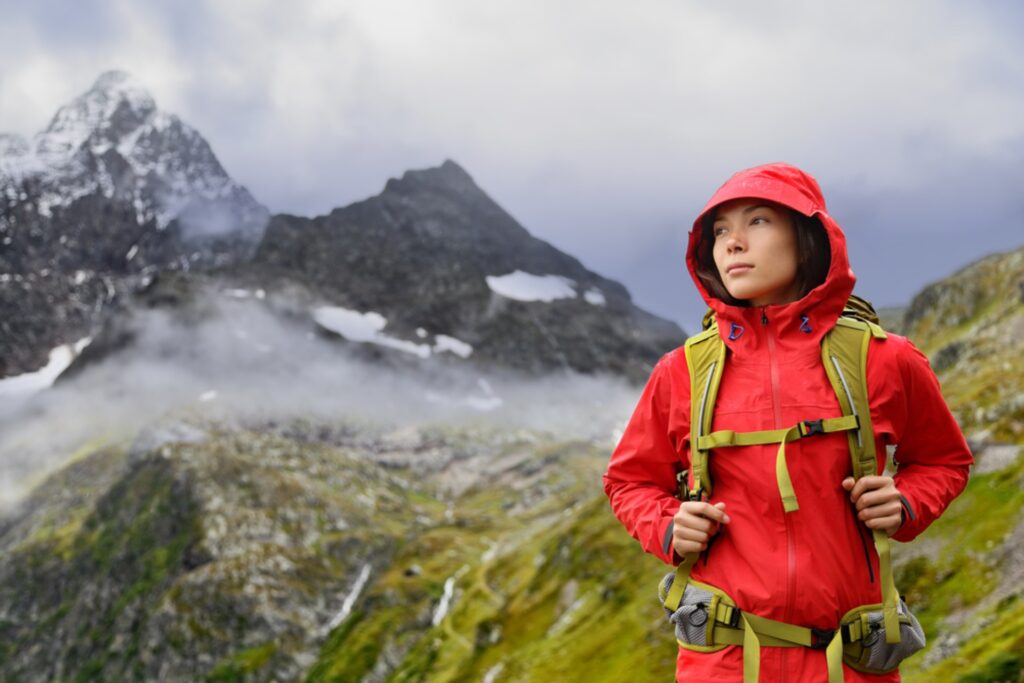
(719, 230)
(759, 219)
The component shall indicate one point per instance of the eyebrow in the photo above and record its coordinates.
(747, 211)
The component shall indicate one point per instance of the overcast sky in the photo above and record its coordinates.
(601, 126)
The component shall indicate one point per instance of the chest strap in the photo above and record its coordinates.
(726, 437)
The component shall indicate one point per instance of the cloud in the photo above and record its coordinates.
(601, 128)
(239, 360)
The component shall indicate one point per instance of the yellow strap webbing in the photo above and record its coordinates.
(844, 353)
(675, 592)
(727, 437)
(890, 596)
(758, 631)
(751, 653)
(705, 359)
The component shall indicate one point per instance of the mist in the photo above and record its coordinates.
(246, 362)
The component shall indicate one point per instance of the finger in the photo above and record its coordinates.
(715, 513)
(692, 535)
(882, 496)
(725, 517)
(848, 483)
(697, 523)
(696, 520)
(877, 511)
(888, 524)
(685, 547)
(868, 483)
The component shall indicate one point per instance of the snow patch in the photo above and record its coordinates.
(567, 616)
(350, 600)
(31, 382)
(364, 327)
(522, 286)
(441, 611)
(493, 673)
(594, 296)
(443, 342)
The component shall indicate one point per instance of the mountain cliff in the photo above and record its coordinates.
(118, 206)
(434, 255)
(111, 192)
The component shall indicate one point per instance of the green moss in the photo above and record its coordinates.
(239, 667)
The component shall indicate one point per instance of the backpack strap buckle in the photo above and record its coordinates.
(821, 638)
(812, 427)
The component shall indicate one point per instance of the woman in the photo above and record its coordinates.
(772, 265)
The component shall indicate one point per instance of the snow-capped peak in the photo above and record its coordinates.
(112, 140)
(114, 108)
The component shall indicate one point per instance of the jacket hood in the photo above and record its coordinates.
(807, 318)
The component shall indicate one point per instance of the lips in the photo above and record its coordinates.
(738, 268)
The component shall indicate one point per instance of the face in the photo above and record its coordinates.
(755, 251)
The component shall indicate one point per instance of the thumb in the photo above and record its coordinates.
(848, 483)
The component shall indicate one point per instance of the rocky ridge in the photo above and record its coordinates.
(115, 196)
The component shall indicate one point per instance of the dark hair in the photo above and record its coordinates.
(814, 256)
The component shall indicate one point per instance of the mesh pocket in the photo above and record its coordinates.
(691, 619)
(879, 655)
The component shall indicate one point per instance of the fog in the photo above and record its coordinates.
(247, 361)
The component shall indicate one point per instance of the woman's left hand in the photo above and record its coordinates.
(877, 501)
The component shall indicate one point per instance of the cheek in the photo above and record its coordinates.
(717, 253)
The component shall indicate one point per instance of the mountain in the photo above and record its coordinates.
(971, 325)
(438, 258)
(113, 141)
(111, 192)
(324, 552)
(964, 576)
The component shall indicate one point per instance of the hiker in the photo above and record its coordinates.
(782, 535)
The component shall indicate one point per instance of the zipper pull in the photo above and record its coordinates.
(764, 316)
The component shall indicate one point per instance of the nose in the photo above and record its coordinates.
(733, 243)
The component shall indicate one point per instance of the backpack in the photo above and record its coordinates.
(844, 352)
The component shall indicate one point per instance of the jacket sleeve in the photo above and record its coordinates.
(932, 456)
(640, 481)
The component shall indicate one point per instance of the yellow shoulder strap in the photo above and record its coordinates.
(705, 360)
(844, 352)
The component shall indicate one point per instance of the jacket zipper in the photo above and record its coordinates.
(790, 540)
(862, 534)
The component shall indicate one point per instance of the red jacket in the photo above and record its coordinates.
(811, 566)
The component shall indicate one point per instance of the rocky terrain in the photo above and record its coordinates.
(967, 572)
(116, 194)
(306, 551)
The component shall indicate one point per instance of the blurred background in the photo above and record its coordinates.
(319, 321)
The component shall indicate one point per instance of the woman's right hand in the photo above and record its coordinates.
(694, 524)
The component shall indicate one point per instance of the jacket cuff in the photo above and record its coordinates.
(666, 544)
(905, 531)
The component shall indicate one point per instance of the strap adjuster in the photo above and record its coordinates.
(821, 637)
(811, 427)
